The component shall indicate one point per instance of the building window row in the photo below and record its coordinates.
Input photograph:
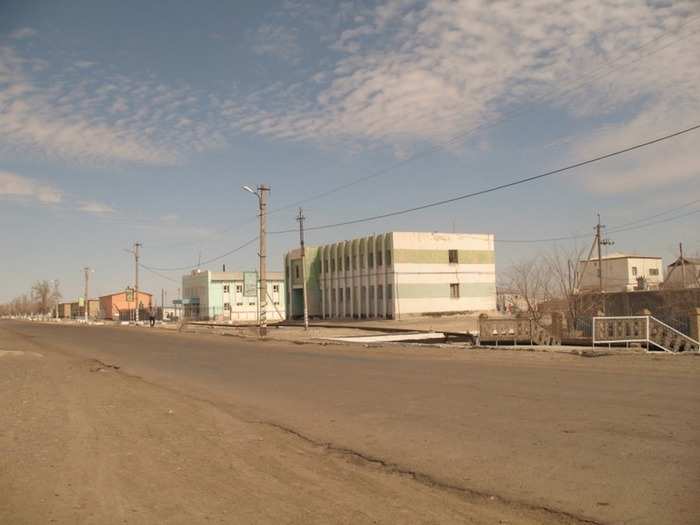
(331, 265)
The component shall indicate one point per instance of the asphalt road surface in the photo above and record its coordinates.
(197, 428)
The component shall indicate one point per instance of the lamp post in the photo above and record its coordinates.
(261, 193)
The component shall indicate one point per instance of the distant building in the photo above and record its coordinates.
(683, 272)
(393, 275)
(64, 310)
(76, 309)
(231, 296)
(621, 272)
(122, 305)
(510, 301)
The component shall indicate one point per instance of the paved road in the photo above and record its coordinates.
(611, 439)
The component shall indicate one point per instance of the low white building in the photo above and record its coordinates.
(231, 296)
(621, 273)
(393, 275)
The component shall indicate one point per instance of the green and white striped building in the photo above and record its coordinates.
(393, 275)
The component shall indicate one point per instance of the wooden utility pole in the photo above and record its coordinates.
(301, 218)
(87, 300)
(600, 258)
(680, 246)
(137, 245)
(263, 191)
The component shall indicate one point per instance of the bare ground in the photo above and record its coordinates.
(84, 442)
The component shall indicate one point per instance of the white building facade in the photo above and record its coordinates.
(621, 273)
(394, 275)
(231, 296)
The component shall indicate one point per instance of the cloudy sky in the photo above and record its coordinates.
(131, 121)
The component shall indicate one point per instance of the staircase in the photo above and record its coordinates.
(642, 329)
(670, 339)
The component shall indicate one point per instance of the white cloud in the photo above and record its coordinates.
(84, 64)
(277, 41)
(14, 186)
(99, 119)
(23, 32)
(410, 72)
(95, 207)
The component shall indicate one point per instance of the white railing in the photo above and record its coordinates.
(640, 329)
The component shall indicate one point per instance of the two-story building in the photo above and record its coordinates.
(394, 274)
(621, 273)
(231, 296)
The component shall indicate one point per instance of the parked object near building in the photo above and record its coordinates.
(621, 272)
(684, 272)
(121, 306)
(394, 274)
(230, 296)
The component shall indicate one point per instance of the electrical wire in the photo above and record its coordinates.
(499, 187)
(159, 274)
(207, 261)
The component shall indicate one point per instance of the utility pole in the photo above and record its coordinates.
(261, 194)
(137, 245)
(263, 191)
(680, 245)
(601, 242)
(87, 300)
(162, 303)
(301, 218)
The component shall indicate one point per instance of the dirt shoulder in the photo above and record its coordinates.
(90, 444)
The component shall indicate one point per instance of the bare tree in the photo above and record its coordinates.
(532, 280)
(42, 295)
(562, 265)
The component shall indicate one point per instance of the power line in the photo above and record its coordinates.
(507, 116)
(500, 186)
(213, 259)
(159, 274)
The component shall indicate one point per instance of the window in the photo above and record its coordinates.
(389, 292)
(370, 260)
(347, 294)
(380, 292)
(653, 271)
(454, 290)
(453, 256)
(296, 271)
(227, 306)
(227, 288)
(276, 288)
(333, 295)
(362, 260)
(340, 295)
(379, 258)
(634, 270)
(239, 288)
(388, 257)
(354, 262)
(239, 304)
(347, 263)
(333, 265)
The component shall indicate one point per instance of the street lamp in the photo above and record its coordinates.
(261, 194)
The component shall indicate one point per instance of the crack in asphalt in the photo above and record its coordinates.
(427, 479)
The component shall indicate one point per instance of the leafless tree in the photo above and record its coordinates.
(532, 280)
(42, 295)
(562, 265)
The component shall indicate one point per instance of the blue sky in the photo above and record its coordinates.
(133, 121)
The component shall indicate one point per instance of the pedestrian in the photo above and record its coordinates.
(152, 317)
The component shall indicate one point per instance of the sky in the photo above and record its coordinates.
(124, 122)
